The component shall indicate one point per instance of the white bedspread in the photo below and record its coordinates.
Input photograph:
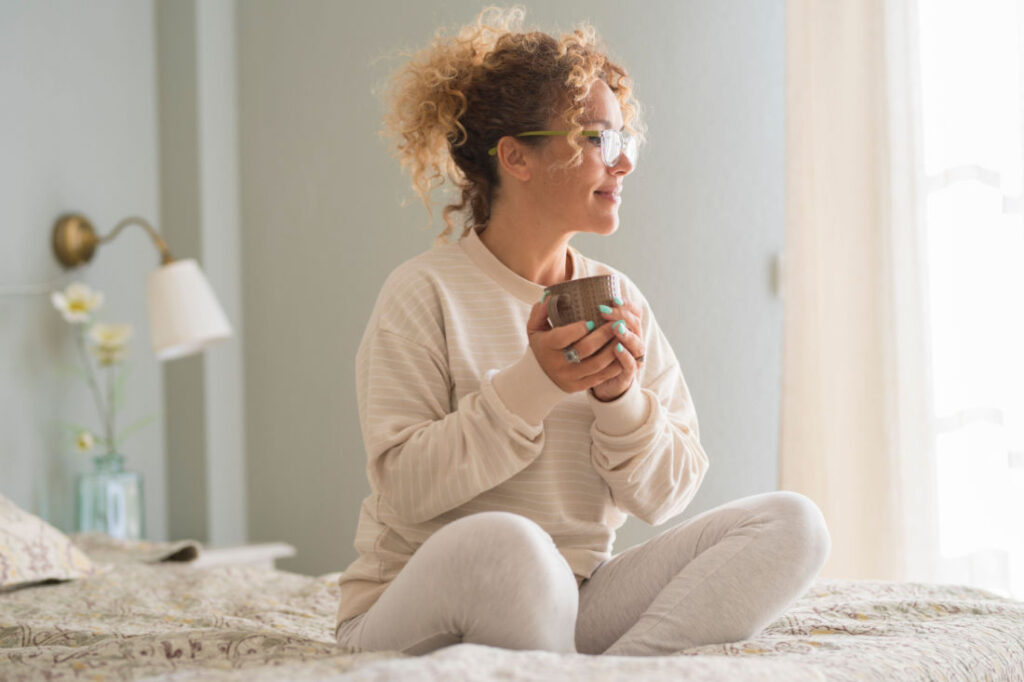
(241, 623)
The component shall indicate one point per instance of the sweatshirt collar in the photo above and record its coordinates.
(520, 287)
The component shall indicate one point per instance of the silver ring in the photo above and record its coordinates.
(641, 358)
(571, 355)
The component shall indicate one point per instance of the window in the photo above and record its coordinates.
(971, 71)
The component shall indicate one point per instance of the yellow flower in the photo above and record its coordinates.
(84, 441)
(111, 342)
(76, 302)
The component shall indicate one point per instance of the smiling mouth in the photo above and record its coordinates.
(611, 196)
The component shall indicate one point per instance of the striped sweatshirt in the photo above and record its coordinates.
(458, 417)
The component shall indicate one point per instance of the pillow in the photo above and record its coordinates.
(102, 548)
(31, 550)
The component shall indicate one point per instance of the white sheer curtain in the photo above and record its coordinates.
(903, 286)
(971, 85)
(855, 430)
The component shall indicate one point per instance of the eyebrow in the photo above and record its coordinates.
(607, 124)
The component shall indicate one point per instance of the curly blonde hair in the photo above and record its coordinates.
(455, 99)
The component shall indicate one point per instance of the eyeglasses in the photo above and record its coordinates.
(613, 143)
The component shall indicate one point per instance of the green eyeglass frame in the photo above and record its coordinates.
(614, 143)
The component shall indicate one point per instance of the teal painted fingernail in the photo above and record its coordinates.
(590, 326)
(618, 301)
(604, 309)
(546, 292)
(619, 347)
(620, 326)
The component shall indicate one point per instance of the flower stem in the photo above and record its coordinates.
(91, 376)
(110, 403)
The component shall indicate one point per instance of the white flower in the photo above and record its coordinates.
(111, 341)
(76, 302)
(84, 441)
(110, 335)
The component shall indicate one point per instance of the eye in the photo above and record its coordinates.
(595, 141)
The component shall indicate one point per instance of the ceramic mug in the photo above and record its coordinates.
(578, 299)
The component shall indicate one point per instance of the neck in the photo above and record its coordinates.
(529, 250)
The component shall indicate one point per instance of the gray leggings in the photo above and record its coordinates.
(496, 578)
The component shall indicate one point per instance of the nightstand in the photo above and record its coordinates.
(264, 555)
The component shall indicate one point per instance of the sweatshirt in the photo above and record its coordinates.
(458, 417)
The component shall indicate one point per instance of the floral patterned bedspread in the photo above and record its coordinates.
(174, 621)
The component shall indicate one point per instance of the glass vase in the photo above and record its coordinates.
(109, 499)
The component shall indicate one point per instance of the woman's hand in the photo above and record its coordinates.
(624, 320)
(596, 351)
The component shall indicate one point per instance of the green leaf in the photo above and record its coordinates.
(139, 424)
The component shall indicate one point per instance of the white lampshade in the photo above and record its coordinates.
(184, 315)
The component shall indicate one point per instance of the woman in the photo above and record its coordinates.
(500, 461)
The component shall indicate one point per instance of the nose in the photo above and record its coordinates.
(623, 166)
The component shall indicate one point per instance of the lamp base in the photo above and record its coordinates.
(74, 239)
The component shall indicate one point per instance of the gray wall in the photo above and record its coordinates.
(78, 131)
(204, 401)
(118, 108)
(324, 225)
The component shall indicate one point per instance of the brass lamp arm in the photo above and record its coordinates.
(165, 253)
(74, 239)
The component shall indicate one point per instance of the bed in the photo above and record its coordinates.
(144, 611)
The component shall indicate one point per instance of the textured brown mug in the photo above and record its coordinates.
(578, 299)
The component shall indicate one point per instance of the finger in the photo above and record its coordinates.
(538, 321)
(633, 308)
(625, 357)
(633, 343)
(599, 360)
(636, 315)
(620, 374)
(593, 342)
(567, 335)
(626, 313)
(607, 374)
(600, 368)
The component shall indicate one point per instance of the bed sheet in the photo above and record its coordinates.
(244, 623)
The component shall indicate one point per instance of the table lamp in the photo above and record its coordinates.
(184, 315)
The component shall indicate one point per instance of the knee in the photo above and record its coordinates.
(511, 547)
(502, 529)
(805, 526)
(510, 557)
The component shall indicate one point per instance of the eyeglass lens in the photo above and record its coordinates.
(614, 143)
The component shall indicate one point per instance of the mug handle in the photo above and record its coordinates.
(552, 304)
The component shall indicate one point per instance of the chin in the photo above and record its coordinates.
(608, 228)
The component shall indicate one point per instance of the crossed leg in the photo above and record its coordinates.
(493, 578)
(721, 576)
(497, 578)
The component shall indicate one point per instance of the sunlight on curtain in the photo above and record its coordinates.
(971, 55)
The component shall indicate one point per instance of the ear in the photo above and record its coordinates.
(512, 158)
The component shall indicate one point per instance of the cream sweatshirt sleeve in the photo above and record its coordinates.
(424, 457)
(646, 444)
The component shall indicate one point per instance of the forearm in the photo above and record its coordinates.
(426, 458)
(654, 468)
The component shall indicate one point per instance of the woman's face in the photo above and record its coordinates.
(583, 198)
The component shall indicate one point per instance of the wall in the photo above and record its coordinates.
(78, 130)
(204, 408)
(324, 225)
(116, 109)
